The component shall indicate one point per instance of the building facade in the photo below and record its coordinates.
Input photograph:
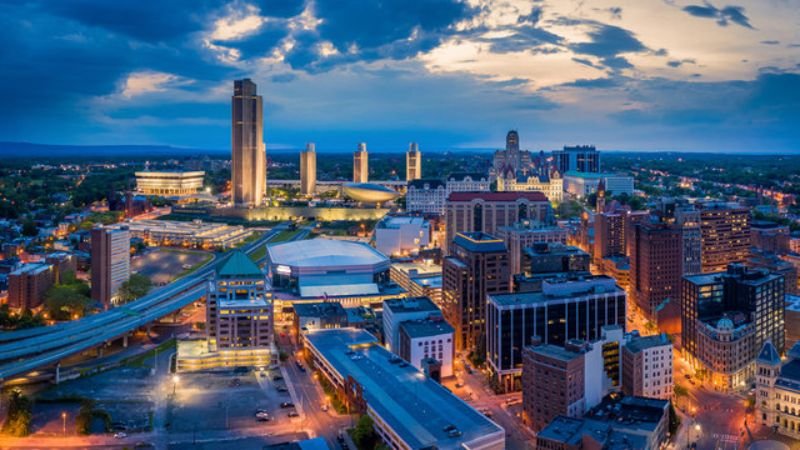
(656, 272)
(551, 185)
(401, 235)
(169, 183)
(397, 311)
(579, 158)
(525, 234)
(413, 162)
(552, 384)
(249, 154)
(111, 262)
(581, 184)
(361, 164)
(725, 229)
(477, 267)
(778, 391)
(647, 366)
(727, 318)
(308, 170)
(28, 285)
(487, 212)
(425, 339)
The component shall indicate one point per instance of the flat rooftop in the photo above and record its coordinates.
(407, 305)
(421, 268)
(397, 221)
(642, 343)
(557, 288)
(427, 327)
(415, 407)
(556, 351)
(319, 309)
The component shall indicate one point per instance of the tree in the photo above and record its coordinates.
(30, 229)
(18, 419)
(363, 434)
(137, 286)
(674, 420)
(67, 299)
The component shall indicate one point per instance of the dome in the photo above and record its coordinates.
(725, 324)
(368, 192)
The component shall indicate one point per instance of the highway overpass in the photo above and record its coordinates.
(26, 350)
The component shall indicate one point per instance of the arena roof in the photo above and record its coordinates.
(324, 253)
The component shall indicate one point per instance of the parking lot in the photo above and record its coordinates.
(229, 400)
(164, 265)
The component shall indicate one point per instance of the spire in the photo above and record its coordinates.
(768, 355)
(239, 265)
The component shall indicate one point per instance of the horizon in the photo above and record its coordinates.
(685, 75)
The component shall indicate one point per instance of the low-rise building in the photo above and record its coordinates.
(319, 316)
(402, 235)
(769, 236)
(28, 284)
(397, 311)
(194, 234)
(409, 410)
(424, 339)
(169, 183)
(778, 390)
(552, 384)
(419, 279)
(647, 366)
(620, 423)
(426, 196)
(581, 184)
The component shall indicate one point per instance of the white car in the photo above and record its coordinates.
(120, 435)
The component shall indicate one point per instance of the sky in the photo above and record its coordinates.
(682, 75)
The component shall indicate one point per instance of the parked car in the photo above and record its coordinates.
(120, 435)
(287, 405)
(293, 414)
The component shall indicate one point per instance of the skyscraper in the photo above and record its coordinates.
(308, 170)
(656, 271)
(248, 153)
(413, 162)
(111, 262)
(580, 158)
(478, 266)
(725, 229)
(361, 164)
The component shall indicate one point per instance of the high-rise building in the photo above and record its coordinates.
(564, 309)
(248, 152)
(477, 267)
(111, 262)
(647, 366)
(727, 318)
(725, 229)
(413, 162)
(525, 234)
(361, 164)
(308, 170)
(770, 236)
(580, 158)
(656, 271)
(486, 212)
(28, 284)
(689, 221)
(239, 315)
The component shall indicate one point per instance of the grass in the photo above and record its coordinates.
(194, 268)
(285, 236)
(138, 360)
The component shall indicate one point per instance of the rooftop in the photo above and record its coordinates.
(406, 305)
(420, 184)
(559, 288)
(426, 327)
(638, 344)
(534, 196)
(324, 252)
(416, 408)
(592, 175)
(239, 265)
(556, 351)
(398, 221)
(31, 269)
(479, 242)
(319, 309)
(459, 176)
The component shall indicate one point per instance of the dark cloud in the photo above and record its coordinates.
(771, 42)
(260, 43)
(526, 38)
(722, 15)
(283, 77)
(607, 43)
(596, 83)
(680, 62)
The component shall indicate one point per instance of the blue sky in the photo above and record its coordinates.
(626, 74)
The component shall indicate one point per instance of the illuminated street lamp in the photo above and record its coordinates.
(175, 380)
(64, 422)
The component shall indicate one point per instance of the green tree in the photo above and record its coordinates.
(364, 435)
(674, 420)
(18, 419)
(136, 286)
(67, 299)
(30, 229)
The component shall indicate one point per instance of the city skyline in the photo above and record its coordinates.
(677, 75)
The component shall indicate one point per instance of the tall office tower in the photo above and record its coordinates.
(727, 318)
(111, 262)
(308, 170)
(239, 315)
(725, 229)
(689, 221)
(656, 271)
(609, 234)
(488, 211)
(361, 164)
(580, 158)
(413, 162)
(249, 155)
(478, 266)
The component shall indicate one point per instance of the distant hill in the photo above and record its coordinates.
(25, 150)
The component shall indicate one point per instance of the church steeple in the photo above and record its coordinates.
(600, 204)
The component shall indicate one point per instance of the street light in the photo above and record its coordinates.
(175, 379)
(64, 422)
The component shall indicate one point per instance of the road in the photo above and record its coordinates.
(26, 354)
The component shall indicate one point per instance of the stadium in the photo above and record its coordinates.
(327, 268)
(369, 193)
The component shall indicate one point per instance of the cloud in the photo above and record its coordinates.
(607, 42)
(139, 83)
(675, 63)
(723, 15)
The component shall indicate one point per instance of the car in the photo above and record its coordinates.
(324, 407)
(120, 435)
(262, 419)
(277, 378)
(293, 414)
(287, 405)
(281, 389)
